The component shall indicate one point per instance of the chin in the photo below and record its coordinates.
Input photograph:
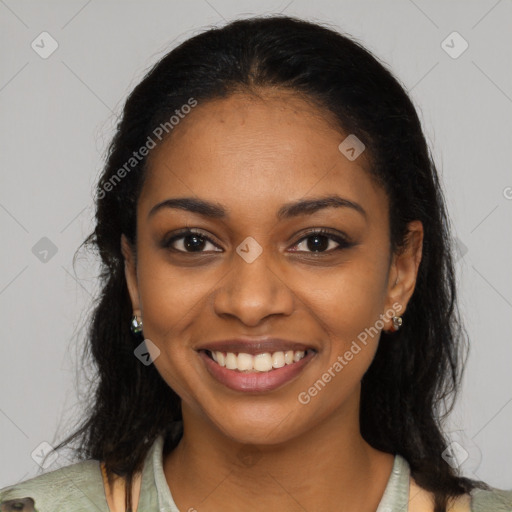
(256, 427)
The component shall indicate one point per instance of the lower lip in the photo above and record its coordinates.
(255, 381)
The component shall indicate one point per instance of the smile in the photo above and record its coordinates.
(264, 362)
(255, 373)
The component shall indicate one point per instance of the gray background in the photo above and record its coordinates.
(58, 115)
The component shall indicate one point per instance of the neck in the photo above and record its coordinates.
(329, 467)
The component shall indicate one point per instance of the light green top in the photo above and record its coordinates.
(79, 487)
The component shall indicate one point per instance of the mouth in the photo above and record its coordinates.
(261, 370)
(263, 362)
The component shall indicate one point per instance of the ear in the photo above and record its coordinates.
(404, 270)
(130, 272)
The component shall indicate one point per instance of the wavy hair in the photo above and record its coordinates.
(411, 384)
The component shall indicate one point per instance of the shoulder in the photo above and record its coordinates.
(78, 486)
(495, 500)
(479, 500)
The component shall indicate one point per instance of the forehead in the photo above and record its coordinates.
(247, 150)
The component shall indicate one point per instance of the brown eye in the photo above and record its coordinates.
(189, 241)
(321, 241)
(317, 243)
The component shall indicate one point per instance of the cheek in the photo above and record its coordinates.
(349, 302)
(359, 299)
(347, 298)
(349, 310)
(170, 296)
(170, 300)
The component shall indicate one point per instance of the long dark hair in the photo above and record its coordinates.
(411, 384)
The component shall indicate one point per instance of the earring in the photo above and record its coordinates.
(136, 325)
(397, 322)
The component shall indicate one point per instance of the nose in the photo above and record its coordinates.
(254, 290)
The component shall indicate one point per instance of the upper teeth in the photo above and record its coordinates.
(260, 362)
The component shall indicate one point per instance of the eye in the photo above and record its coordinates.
(320, 241)
(190, 241)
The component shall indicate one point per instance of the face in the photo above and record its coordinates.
(285, 270)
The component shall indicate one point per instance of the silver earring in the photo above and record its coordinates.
(397, 323)
(136, 325)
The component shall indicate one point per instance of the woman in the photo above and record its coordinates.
(277, 328)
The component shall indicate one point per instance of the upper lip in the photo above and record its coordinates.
(254, 346)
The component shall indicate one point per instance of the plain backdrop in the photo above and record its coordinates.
(58, 111)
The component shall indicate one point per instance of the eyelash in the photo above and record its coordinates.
(343, 242)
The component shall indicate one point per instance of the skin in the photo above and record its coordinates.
(252, 155)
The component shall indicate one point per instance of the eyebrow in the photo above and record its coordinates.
(289, 210)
